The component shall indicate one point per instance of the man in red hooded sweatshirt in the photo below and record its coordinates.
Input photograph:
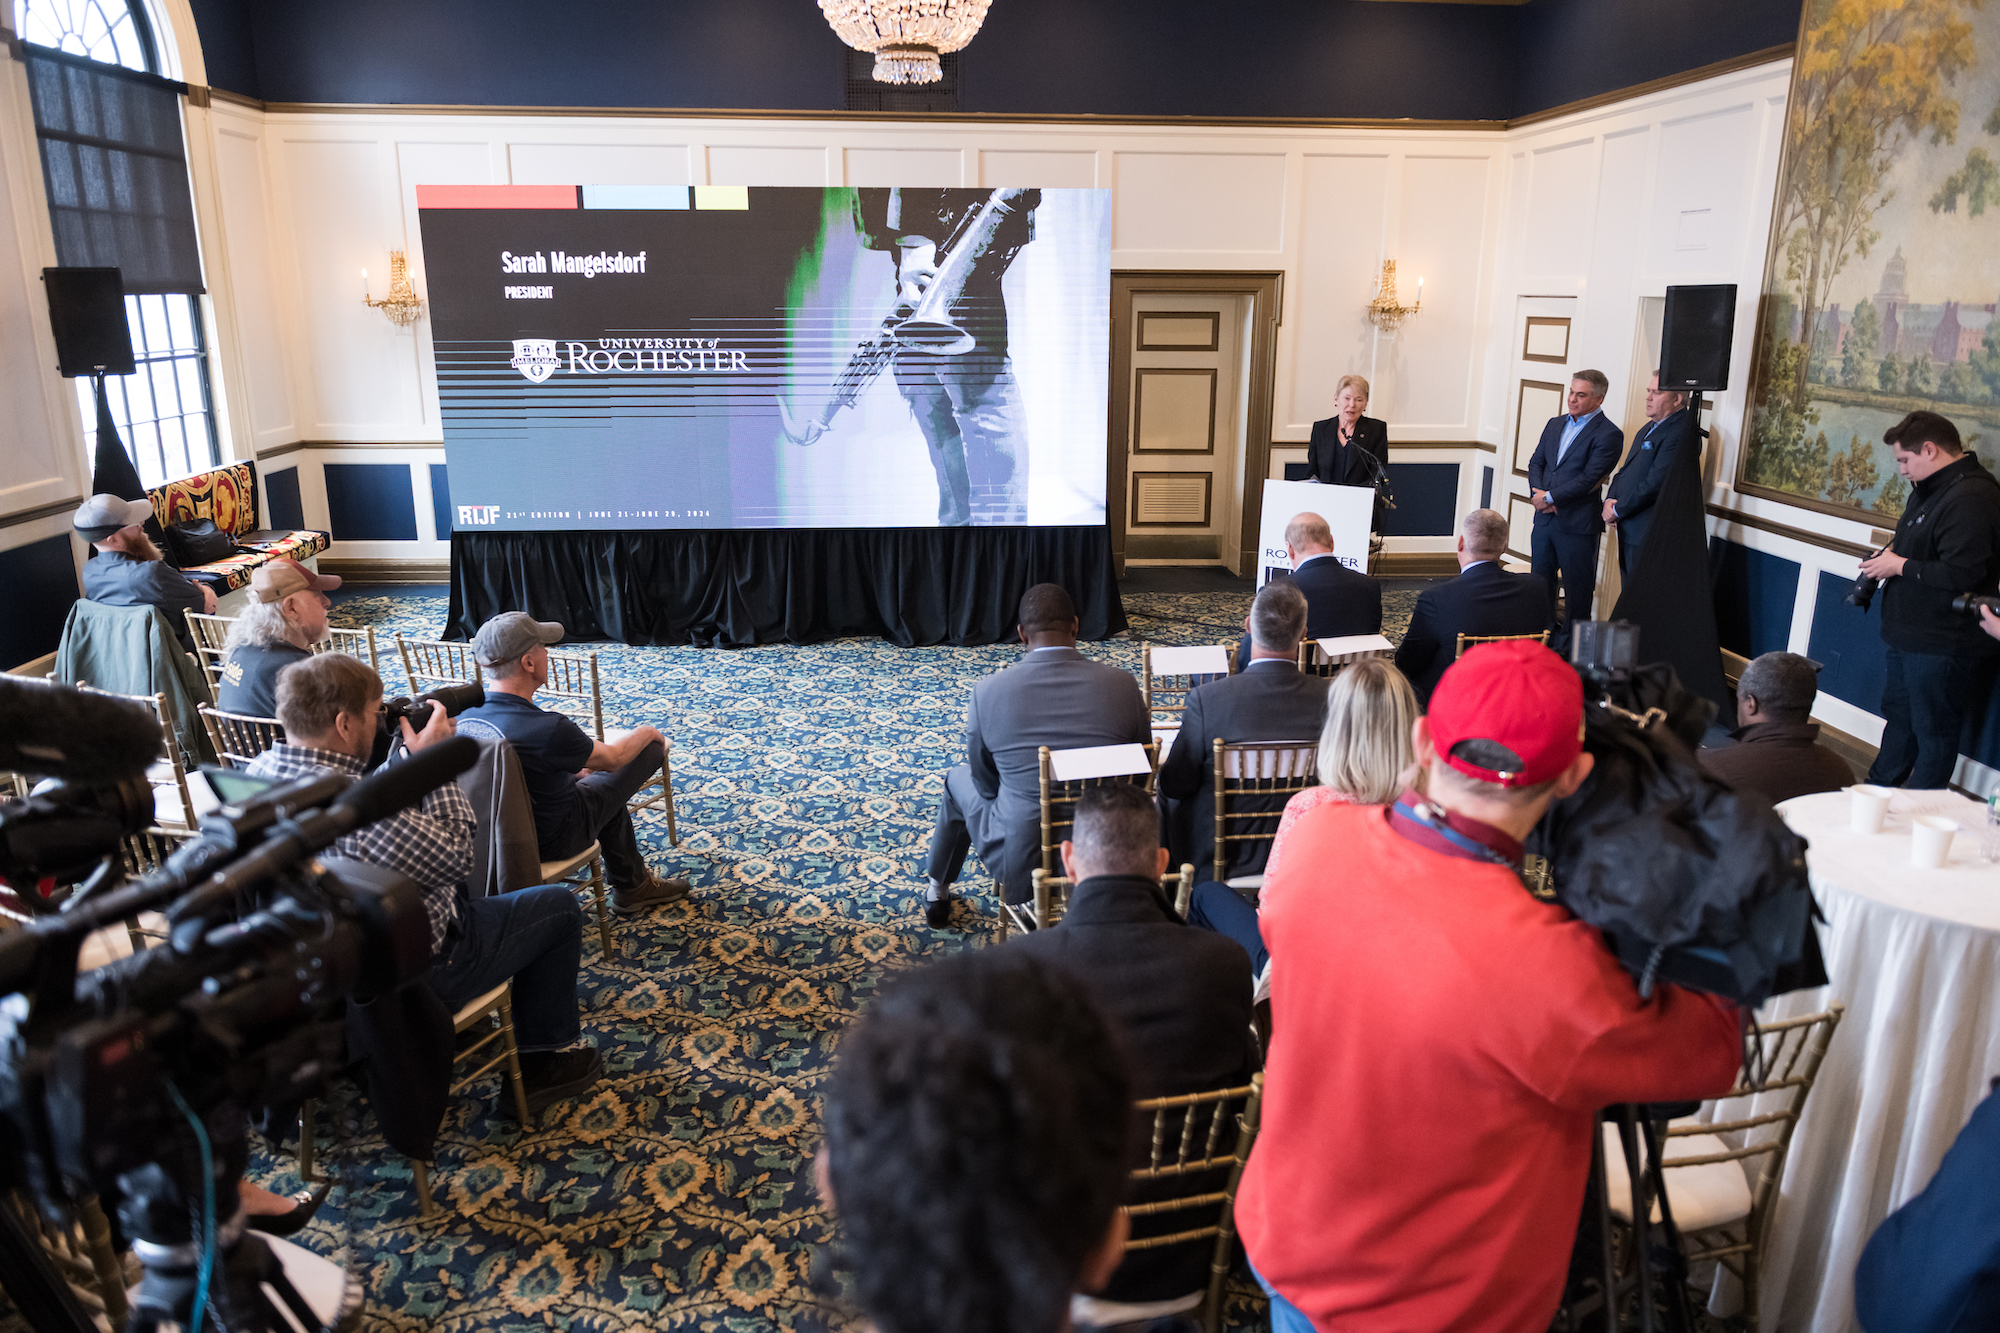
(1441, 1040)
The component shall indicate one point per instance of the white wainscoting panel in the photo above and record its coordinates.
(598, 164)
(938, 168)
(1344, 213)
(1442, 240)
(774, 164)
(262, 333)
(998, 167)
(1216, 202)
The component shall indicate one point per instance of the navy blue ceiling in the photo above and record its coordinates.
(1344, 58)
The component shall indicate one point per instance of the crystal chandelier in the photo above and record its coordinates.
(906, 36)
(402, 305)
(1385, 311)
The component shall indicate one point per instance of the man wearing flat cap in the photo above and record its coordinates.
(1442, 1040)
(286, 616)
(579, 786)
(128, 569)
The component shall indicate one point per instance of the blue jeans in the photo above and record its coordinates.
(1924, 700)
(970, 412)
(534, 936)
(1285, 1317)
(1216, 907)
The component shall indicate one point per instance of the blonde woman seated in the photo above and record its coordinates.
(1364, 759)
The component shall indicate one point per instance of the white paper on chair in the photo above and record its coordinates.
(1208, 659)
(1354, 647)
(1099, 761)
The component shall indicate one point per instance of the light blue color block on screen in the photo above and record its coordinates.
(635, 196)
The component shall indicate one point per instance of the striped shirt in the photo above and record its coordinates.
(432, 844)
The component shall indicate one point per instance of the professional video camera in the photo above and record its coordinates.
(131, 1082)
(455, 698)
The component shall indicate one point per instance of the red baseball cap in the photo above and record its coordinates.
(1509, 713)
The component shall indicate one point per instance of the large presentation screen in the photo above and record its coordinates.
(726, 357)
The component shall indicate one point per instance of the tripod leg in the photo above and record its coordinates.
(1642, 1216)
(97, 1236)
(1601, 1200)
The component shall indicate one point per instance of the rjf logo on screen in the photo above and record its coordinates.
(539, 358)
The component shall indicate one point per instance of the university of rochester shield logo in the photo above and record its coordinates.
(536, 358)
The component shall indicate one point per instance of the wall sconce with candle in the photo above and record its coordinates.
(402, 305)
(1384, 312)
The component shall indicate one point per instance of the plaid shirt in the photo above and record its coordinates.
(431, 844)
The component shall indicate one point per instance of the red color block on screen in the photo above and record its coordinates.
(496, 196)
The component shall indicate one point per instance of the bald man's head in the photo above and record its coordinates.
(1308, 534)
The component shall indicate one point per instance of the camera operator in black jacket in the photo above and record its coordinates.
(1947, 543)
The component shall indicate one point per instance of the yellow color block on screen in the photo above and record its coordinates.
(722, 196)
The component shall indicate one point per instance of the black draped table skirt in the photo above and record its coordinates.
(797, 585)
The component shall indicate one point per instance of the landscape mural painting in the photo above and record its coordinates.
(1882, 283)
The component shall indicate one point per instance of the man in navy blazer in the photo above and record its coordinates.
(1339, 601)
(1483, 599)
(1628, 505)
(1576, 453)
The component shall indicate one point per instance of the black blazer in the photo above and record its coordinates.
(1182, 998)
(1270, 701)
(1573, 484)
(1485, 599)
(1339, 602)
(1638, 483)
(1337, 466)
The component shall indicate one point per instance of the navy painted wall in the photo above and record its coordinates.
(281, 490)
(441, 500)
(41, 586)
(1848, 644)
(1755, 592)
(1486, 490)
(371, 502)
(1353, 58)
(1426, 500)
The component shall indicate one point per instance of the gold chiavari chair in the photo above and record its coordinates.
(1471, 640)
(1257, 777)
(1196, 1139)
(239, 739)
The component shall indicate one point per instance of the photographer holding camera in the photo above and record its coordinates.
(331, 707)
(1947, 543)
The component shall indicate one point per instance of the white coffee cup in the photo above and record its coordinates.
(1871, 806)
(1930, 840)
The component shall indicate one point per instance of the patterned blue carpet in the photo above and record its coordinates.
(678, 1195)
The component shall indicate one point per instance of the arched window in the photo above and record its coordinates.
(114, 32)
(163, 409)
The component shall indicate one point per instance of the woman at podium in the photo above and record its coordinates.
(1350, 448)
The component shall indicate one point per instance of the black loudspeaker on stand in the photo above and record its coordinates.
(87, 316)
(1695, 338)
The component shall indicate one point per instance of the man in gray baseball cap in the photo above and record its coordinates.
(571, 811)
(128, 569)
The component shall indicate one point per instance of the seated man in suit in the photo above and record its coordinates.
(1269, 700)
(1576, 453)
(1181, 995)
(1777, 753)
(1483, 599)
(129, 570)
(1669, 430)
(1339, 601)
(578, 786)
(1053, 696)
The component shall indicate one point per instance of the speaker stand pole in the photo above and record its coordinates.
(1694, 406)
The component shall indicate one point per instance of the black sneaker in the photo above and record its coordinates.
(557, 1076)
(651, 893)
(937, 912)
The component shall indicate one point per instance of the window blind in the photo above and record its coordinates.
(116, 169)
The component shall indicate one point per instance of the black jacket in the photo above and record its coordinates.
(1336, 465)
(1485, 599)
(1181, 997)
(1950, 534)
(1269, 701)
(1339, 602)
(1638, 483)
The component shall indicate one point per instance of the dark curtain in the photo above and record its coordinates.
(113, 472)
(737, 589)
(116, 171)
(1669, 595)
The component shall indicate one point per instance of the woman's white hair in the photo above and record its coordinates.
(259, 626)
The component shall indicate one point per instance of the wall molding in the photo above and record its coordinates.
(297, 446)
(1769, 55)
(1776, 529)
(362, 571)
(41, 511)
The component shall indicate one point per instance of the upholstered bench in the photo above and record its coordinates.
(228, 497)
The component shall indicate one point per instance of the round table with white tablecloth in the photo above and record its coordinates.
(1915, 956)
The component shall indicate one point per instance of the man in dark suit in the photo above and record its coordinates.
(1270, 700)
(1181, 996)
(1483, 599)
(1576, 453)
(1053, 696)
(1339, 601)
(1628, 505)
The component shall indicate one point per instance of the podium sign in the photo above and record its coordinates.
(1346, 509)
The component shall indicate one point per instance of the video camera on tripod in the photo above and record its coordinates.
(131, 1082)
